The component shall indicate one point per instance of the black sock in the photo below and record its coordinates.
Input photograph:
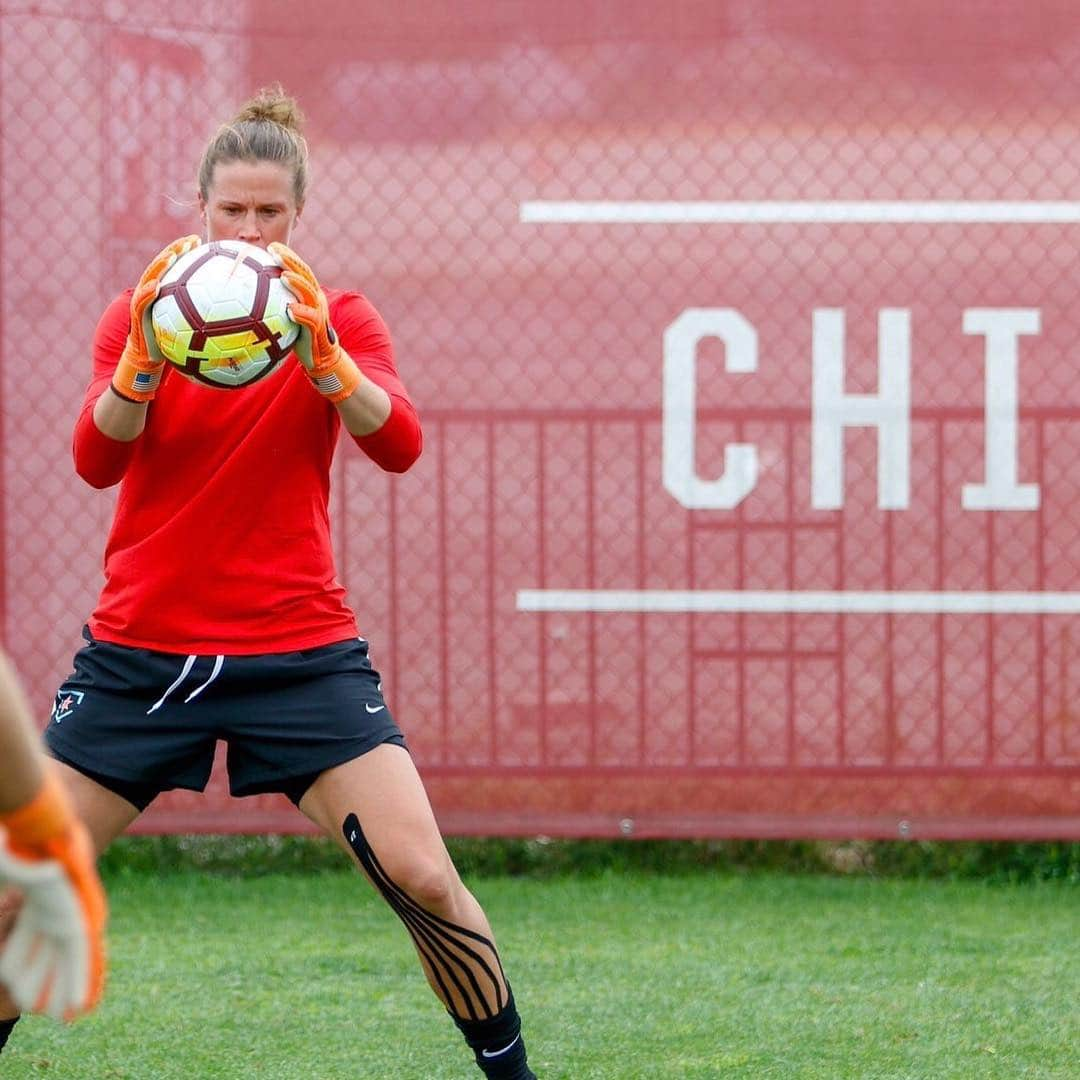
(5, 1029)
(497, 1043)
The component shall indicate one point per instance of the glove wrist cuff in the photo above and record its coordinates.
(45, 817)
(137, 381)
(337, 380)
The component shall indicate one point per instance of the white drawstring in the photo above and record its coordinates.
(218, 664)
(189, 663)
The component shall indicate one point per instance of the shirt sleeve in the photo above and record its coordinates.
(100, 460)
(364, 336)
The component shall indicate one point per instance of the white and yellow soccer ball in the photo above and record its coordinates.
(221, 314)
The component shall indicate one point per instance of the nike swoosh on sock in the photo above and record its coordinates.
(499, 1053)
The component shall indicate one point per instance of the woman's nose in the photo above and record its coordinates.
(249, 228)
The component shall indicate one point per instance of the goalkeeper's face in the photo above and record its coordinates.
(251, 201)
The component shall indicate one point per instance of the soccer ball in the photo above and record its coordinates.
(221, 314)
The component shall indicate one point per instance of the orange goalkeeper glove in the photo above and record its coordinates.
(53, 961)
(328, 365)
(141, 363)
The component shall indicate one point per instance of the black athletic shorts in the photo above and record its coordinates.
(141, 722)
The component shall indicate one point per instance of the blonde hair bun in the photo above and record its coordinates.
(273, 104)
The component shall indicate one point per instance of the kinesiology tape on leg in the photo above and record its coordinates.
(462, 963)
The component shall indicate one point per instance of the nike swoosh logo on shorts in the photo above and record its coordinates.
(499, 1053)
(374, 708)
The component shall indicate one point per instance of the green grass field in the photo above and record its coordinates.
(628, 975)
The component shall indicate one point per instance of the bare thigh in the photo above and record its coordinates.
(104, 813)
(384, 790)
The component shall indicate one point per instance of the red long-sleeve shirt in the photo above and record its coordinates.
(221, 538)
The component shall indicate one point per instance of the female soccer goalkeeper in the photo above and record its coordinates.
(221, 614)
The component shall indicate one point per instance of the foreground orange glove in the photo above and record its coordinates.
(53, 961)
(141, 363)
(329, 366)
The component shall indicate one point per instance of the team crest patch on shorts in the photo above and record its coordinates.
(67, 701)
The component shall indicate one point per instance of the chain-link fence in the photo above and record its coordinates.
(743, 337)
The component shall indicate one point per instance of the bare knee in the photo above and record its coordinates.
(430, 882)
(404, 867)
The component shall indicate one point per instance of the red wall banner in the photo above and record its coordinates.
(743, 339)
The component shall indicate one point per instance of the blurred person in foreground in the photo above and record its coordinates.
(53, 958)
(222, 615)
